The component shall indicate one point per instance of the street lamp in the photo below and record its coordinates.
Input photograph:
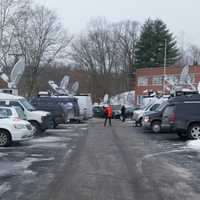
(165, 61)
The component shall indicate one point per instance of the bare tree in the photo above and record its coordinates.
(127, 37)
(41, 39)
(106, 51)
(8, 9)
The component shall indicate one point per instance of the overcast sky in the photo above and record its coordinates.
(181, 16)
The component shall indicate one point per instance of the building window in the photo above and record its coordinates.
(142, 81)
(157, 80)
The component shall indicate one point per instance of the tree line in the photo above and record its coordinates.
(103, 58)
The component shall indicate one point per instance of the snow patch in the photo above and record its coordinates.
(3, 154)
(47, 139)
(4, 188)
(21, 168)
(194, 144)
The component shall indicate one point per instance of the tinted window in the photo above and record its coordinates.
(168, 110)
(5, 113)
(2, 103)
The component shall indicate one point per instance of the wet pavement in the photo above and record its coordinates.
(89, 161)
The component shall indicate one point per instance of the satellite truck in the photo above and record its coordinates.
(81, 105)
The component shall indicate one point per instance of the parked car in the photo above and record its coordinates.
(116, 111)
(41, 120)
(183, 116)
(98, 112)
(152, 120)
(138, 114)
(58, 112)
(13, 127)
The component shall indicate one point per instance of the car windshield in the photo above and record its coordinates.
(147, 107)
(27, 105)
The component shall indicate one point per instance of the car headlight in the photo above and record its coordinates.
(20, 126)
(146, 119)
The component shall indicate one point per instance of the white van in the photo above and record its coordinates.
(41, 120)
(85, 105)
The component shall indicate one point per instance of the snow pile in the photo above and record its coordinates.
(194, 144)
(4, 188)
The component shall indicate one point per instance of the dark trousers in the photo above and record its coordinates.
(107, 118)
(123, 117)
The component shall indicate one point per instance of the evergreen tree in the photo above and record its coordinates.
(151, 45)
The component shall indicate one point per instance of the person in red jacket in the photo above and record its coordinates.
(108, 114)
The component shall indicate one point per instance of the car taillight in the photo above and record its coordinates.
(173, 118)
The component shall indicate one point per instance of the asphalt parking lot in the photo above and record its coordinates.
(27, 168)
(89, 161)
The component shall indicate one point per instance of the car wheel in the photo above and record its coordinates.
(37, 127)
(156, 127)
(182, 135)
(5, 138)
(194, 131)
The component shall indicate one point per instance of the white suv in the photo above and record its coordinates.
(41, 120)
(13, 127)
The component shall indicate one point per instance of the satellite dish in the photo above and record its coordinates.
(53, 85)
(56, 89)
(105, 98)
(64, 83)
(75, 87)
(5, 78)
(184, 75)
(17, 72)
(130, 98)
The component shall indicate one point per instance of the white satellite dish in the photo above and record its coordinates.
(15, 75)
(64, 83)
(56, 89)
(105, 98)
(184, 75)
(75, 87)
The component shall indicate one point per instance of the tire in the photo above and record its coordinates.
(5, 138)
(156, 127)
(37, 127)
(182, 135)
(194, 131)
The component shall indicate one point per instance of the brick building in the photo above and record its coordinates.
(151, 79)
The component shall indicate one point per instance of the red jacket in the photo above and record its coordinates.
(109, 111)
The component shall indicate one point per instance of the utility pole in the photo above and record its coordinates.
(165, 61)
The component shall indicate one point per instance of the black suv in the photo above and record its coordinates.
(183, 115)
(59, 108)
(152, 120)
